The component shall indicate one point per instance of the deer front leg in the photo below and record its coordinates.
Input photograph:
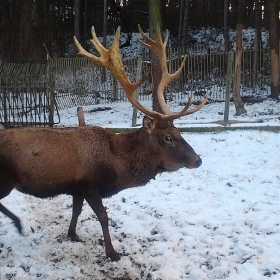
(95, 202)
(76, 211)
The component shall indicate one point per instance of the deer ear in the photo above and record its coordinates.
(148, 124)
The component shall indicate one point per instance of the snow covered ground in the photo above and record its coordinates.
(220, 221)
(266, 113)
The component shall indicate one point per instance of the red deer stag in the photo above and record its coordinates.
(90, 162)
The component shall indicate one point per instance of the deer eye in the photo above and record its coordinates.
(168, 139)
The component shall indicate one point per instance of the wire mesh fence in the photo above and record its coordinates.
(208, 72)
(80, 82)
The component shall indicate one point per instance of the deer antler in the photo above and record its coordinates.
(159, 48)
(110, 58)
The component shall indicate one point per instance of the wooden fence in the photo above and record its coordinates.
(33, 93)
(27, 95)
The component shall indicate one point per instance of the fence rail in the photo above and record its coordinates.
(30, 92)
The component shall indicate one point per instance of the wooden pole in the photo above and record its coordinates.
(81, 118)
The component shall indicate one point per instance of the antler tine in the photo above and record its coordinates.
(99, 47)
(185, 111)
(159, 48)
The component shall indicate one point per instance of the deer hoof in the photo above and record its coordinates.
(113, 256)
(75, 238)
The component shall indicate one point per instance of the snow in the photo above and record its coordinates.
(266, 113)
(220, 221)
(198, 41)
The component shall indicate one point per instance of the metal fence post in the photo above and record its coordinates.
(230, 61)
(138, 76)
(115, 89)
(51, 87)
(3, 92)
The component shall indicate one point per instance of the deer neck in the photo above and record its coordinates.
(139, 159)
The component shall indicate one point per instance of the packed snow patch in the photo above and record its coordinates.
(220, 221)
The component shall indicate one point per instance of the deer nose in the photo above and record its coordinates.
(198, 162)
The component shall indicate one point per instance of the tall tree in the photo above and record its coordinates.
(258, 20)
(239, 106)
(226, 7)
(125, 22)
(258, 42)
(273, 15)
(18, 31)
(180, 23)
(105, 12)
(85, 22)
(185, 22)
(155, 21)
(26, 39)
(77, 21)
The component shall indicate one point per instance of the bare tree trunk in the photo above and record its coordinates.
(77, 21)
(85, 23)
(180, 23)
(226, 25)
(125, 22)
(273, 14)
(27, 41)
(105, 13)
(154, 21)
(239, 106)
(258, 43)
(258, 20)
(185, 22)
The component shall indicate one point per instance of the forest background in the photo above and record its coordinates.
(26, 26)
(31, 28)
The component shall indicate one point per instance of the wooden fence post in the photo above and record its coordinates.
(230, 61)
(81, 118)
(138, 76)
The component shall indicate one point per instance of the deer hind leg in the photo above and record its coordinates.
(5, 189)
(95, 203)
(76, 211)
(13, 217)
